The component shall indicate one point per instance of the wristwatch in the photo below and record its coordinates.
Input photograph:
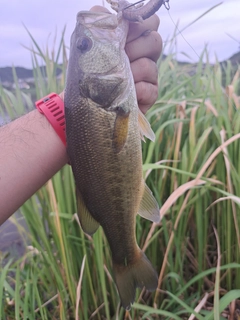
(52, 106)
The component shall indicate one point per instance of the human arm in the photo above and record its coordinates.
(31, 151)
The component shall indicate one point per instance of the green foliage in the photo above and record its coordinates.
(67, 275)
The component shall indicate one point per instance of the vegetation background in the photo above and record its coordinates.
(192, 168)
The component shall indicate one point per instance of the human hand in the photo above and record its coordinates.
(143, 47)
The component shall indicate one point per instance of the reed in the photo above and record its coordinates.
(193, 171)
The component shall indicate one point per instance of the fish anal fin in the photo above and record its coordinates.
(144, 127)
(138, 275)
(88, 223)
(149, 208)
(120, 131)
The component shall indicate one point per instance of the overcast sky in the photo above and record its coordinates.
(43, 17)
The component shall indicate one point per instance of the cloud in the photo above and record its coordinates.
(211, 29)
(43, 17)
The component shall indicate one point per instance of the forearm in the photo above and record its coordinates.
(30, 154)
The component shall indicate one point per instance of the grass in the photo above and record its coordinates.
(192, 168)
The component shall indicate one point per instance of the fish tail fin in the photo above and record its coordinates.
(138, 274)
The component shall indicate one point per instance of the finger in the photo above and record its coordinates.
(144, 69)
(136, 29)
(149, 45)
(147, 94)
(99, 9)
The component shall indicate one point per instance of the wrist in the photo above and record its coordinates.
(52, 154)
(52, 106)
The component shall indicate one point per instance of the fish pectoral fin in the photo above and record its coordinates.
(120, 131)
(149, 208)
(145, 128)
(88, 223)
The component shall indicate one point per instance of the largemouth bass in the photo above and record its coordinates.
(104, 127)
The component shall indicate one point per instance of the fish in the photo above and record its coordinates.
(104, 128)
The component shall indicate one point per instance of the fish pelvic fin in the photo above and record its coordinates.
(88, 223)
(137, 275)
(149, 208)
(145, 128)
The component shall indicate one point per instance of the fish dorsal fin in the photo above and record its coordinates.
(149, 208)
(120, 131)
(145, 128)
(88, 223)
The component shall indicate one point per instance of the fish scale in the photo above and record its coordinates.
(104, 127)
(100, 176)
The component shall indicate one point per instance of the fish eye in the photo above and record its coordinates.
(84, 44)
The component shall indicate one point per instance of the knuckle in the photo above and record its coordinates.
(156, 40)
(145, 65)
(149, 69)
(147, 93)
(151, 94)
(156, 22)
(153, 45)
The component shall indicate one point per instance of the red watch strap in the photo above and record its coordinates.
(52, 106)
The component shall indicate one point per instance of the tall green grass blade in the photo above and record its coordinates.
(191, 112)
(224, 302)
